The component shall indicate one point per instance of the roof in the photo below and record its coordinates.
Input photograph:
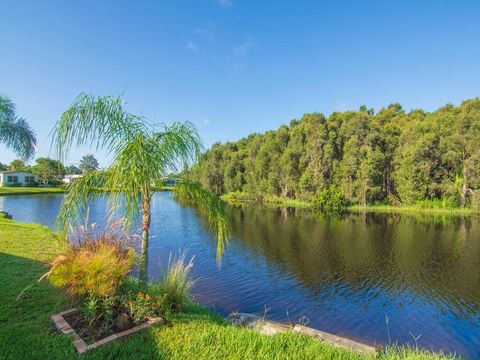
(20, 171)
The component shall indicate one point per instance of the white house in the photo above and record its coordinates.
(68, 179)
(8, 178)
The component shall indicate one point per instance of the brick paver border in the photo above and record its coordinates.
(64, 327)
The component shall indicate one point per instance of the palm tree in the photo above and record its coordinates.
(140, 155)
(15, 132)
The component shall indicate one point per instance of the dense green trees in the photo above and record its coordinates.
(49, 171)
(390, 156)
(18, 165)
(88, 163)
(72, 170)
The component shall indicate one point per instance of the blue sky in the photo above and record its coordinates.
(233, 67)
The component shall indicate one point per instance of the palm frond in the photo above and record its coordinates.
(180, 144)
(98, 122)
(210, 206)
(77, 196)
(147, 158)
(15, 132)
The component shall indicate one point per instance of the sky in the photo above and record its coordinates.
(234, 67)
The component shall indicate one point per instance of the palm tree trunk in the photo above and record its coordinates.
(145, 233)
(145, 222)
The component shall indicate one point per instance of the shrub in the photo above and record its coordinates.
(145, 305)
(95, 264)
(93, 268)
(14, 184)
(330, 201)
(176, 282)
(140, 301)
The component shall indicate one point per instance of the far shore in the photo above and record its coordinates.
(273, 202)
(285, 202)
(7, 191)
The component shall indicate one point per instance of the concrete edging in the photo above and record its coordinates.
(270, 328)
(64, 327)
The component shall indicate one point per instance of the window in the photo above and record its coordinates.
(29, 179)
(12, 179)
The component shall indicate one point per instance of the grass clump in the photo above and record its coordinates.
(176, 283)
(93, 268)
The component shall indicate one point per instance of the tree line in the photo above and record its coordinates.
(50, 171)
(390, 156)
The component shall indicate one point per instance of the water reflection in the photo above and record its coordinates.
(370, 254)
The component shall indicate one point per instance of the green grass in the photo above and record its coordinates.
(414, 208)
(29, 190)
(26, 331)
(241, 198)
(5, 191)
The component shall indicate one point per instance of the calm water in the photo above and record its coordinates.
(343, 275)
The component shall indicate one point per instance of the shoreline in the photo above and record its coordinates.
(11, 191)
(281, 202)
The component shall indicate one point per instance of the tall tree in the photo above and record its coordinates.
(140, 156)
(15, 133)
(17, 165)
(468, 128)
(48, 171)
(72, 170)
(88, 163)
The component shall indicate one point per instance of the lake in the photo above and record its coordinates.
(367, 276)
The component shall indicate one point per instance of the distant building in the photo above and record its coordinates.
(170, 181)
(68, 179)
(17, 178)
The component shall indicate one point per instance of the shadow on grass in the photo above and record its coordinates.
(26, 331)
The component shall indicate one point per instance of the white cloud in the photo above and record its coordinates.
(192, 46)
(224, 3)
(206, 121)
(243, 49)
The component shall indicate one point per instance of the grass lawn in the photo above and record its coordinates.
(26, 331)
(29, 190)
(242, 198)
(436, 211)
(4, 191)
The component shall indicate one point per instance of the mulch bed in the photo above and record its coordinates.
(86, 337)
(96, 331)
